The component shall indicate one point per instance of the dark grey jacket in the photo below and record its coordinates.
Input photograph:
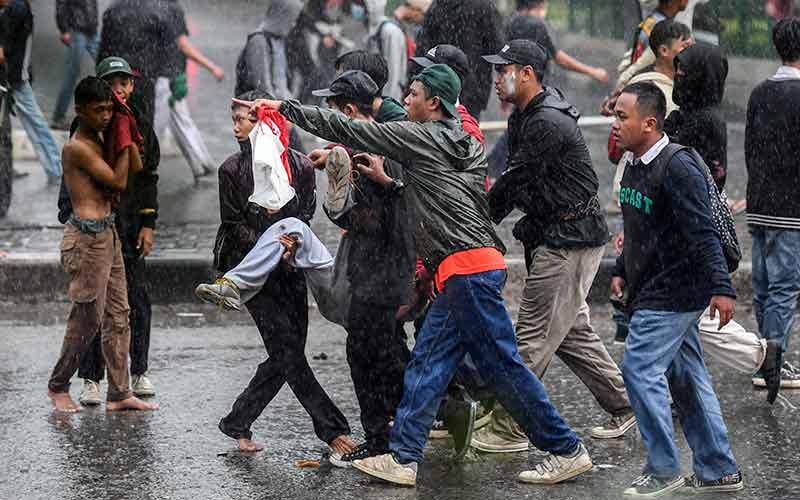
(445, 168)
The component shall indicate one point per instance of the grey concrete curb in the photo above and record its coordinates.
(172, 279)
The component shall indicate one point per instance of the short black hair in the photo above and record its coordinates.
(529, 4)
(666, 32)
(372, 64)
(649, 101)
(92, 89)
(251, 95)
(786, 38)
(341, 101)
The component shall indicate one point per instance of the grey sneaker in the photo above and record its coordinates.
(616, 427)
(142, 386)
(387, 468)
(488, 441)
(337, 167)
(222, 292)
(90, 393)
(555, 469)
(649, 486)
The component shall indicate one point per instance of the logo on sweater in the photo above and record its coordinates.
(636, 199)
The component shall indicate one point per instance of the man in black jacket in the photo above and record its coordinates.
(445, 23)
(772, 149)
(280, 309)
(551, 179)
(672, 267)
(77, 23)
(136, 214)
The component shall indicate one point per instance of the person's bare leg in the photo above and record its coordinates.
(132, 403)
(249, 446)
(63, 403)
(343, 444)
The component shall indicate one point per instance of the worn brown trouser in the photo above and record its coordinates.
(554, 320)
(99, 297)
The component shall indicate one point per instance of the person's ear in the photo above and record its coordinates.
(526, 74)
(434, 102)
(650, 124)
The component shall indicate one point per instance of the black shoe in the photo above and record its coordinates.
(649, 486)
(459, 417)
(726, 484)
(621, 335)
(361, 452)
(772, 370)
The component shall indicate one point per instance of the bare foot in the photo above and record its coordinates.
(343, 444)
(132, 403)
(249, 446)
(63, 403)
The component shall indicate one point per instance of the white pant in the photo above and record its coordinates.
(179, 121)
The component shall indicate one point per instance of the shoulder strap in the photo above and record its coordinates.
(659, 164)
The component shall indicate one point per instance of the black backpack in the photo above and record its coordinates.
(720, 213)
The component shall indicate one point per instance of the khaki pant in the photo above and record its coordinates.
(554, 320)
(99, 297)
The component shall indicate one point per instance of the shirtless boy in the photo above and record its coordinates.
(91, 254)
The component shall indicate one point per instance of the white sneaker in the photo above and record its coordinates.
(142, 386)
(555, 469)
(488, 441)
(90, 393)
(616, 427)
(386, 467)
(222, 292)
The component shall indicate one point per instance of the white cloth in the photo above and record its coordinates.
(655, 150)
(732, 346)
(786, 73)
(271, 187)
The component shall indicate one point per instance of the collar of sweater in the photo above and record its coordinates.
(786, 73)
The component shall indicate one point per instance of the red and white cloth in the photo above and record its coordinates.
(272, 177)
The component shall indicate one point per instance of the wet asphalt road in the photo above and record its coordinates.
(200, 362)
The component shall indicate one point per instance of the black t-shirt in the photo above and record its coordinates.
(139, 32)
(176, 19)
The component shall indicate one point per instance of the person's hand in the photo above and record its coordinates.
(290, 244)
(600, 74)
(726, 306)
(145, 241)
(318, 158)
(218, 73)
(373, 169)
(619, 242)
(617, 286)
(66, 38)
(259, 103)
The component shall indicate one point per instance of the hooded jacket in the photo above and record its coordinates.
(474, 27)
(550, 178)
(77, 15)
(445, 168)
(772, 149)
(242, 222)
(386, 37)
(698, 92)
(262, 64)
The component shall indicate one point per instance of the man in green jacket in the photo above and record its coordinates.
(457, 242)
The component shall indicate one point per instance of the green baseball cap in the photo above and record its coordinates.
(111, 65)
(443, 83)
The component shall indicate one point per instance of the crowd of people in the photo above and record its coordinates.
(413, 188)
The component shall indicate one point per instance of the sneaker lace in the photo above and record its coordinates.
(642, 480)
(549, 464)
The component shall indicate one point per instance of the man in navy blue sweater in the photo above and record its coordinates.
(671, 268)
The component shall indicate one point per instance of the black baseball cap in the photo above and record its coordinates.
(524, 52)
(445, 54)
(353, 84)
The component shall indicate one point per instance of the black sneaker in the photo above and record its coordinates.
(649, 486)
(361, 452)
(726, 484)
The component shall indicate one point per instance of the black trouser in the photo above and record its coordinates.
(6, 161)
(280, 312)
(377, 355)
(92, 366)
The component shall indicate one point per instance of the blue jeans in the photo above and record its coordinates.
(469, 316)
(72, 70)
(28, 112)
(776, 281)
(664, 347)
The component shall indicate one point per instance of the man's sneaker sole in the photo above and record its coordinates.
(90, 401)
(144, 393)
(336, 461)
(441, 434)
(727, 488)
(207, 294)
(383, 476)
(337, 167)
(675, 485)
(616, 433)
(560, 479)
(491, 448)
